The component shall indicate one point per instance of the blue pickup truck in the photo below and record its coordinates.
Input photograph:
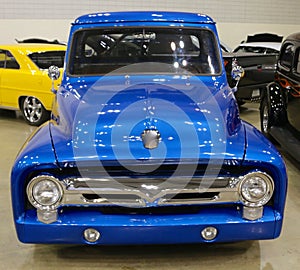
(145, 144)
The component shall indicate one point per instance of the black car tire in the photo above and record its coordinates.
(33, 111)
(267, 117)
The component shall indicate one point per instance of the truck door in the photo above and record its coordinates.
(9, 74)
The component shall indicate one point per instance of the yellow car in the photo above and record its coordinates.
(24, 81)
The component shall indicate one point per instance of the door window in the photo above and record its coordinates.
(286, 57)
(7, 60)
(297, 62)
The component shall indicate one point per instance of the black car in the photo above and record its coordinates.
(280, 104)
(265, 43)
(259, 70)
(258, 55)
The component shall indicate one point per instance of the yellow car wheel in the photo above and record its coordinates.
(33, 111)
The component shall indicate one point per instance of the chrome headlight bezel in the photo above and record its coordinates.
(256, 182)
(36, 183)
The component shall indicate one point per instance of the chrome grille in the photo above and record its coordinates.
(148, 191)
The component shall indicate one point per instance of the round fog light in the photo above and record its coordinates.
(209, 233)
(91, 235)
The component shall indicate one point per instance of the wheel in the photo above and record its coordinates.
(33, 111)
(266, 117)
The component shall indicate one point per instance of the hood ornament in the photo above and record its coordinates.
(150, 138)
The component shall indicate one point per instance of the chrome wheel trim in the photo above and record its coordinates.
(265, 120)
(32, 109)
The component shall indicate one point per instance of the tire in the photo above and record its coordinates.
(33, 111)
(266, 117)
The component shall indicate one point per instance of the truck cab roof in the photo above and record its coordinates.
(143, 16)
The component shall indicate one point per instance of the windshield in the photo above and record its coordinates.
(46, 59)
(100, 51)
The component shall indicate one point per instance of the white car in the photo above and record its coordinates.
(259, 47)
(265, 43)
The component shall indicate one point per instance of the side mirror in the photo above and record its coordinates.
(237, 72)
(53, 74)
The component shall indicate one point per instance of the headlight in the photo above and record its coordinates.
(45, 192)
(256, 189)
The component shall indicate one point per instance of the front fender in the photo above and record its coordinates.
(36, 155)
(276, 99)
(262, 155)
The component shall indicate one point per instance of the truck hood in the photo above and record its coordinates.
(107, 119)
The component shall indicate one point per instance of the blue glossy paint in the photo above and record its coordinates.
(148, 229)
(261, 153)
(189, 109)
(101, 118)
(143, 16)
(36, 154)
